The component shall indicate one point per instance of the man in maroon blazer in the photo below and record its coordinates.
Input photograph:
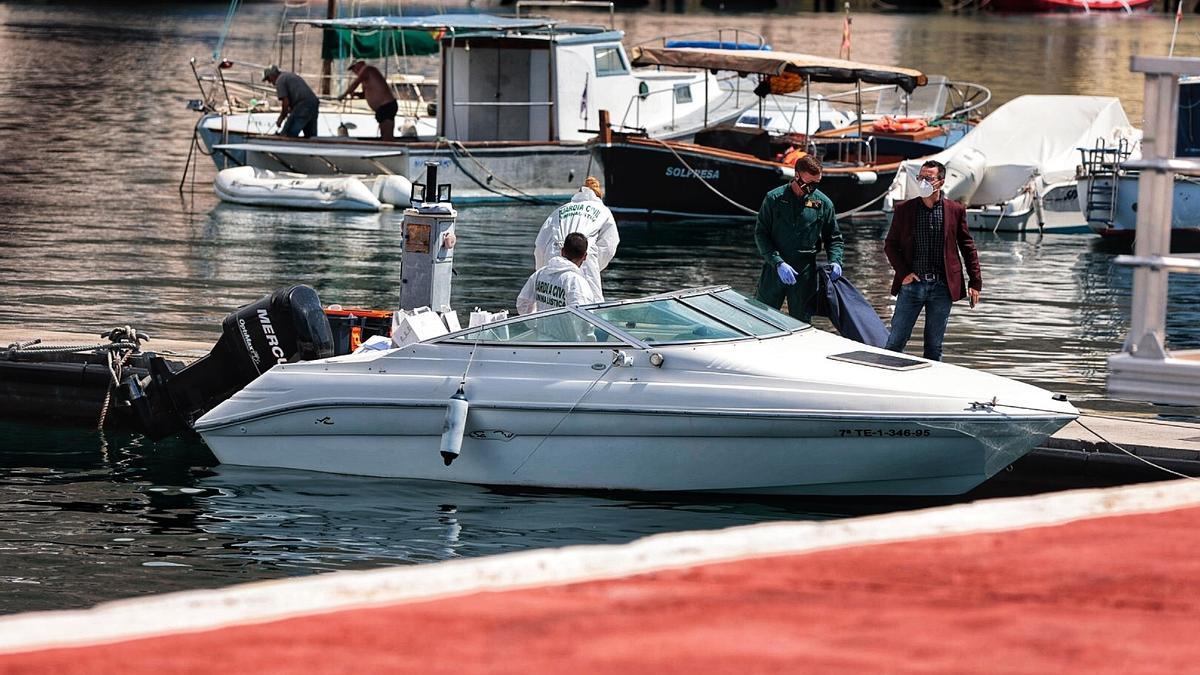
(923, 245)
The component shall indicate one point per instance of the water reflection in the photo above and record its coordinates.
(96, 233)
(84, 519)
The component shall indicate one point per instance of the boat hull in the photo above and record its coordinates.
(1059, 213)
(536, 173)
(779, 454)
(650, 182)
(1185, 208)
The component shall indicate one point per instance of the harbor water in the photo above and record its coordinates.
(95, 233)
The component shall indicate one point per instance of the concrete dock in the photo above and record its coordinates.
(1080, 581)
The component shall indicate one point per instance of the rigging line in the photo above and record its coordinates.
(233, 5)
(695, 174)
(856, 209)
(565, 415)
(456, 146)
(468, 174)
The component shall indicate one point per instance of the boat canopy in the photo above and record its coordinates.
(440, 22)
(371, 37)
(815, 68)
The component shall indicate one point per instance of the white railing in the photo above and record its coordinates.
(721, 33)
(1145, 369)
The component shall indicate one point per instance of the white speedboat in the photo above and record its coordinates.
(698, 390)
(263, 187)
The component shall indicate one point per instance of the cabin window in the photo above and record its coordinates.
(683, 93)
(610, 61)
(557, 328)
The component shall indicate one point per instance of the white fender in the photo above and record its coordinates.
(394, 190)
(454, 427)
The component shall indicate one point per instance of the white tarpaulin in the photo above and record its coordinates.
(1030, 135)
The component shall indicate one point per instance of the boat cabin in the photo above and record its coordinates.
(540, 80)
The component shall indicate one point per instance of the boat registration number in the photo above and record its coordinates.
(883, 433)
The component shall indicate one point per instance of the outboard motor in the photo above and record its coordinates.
(286, 326)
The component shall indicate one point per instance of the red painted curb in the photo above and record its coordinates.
(1099, 595)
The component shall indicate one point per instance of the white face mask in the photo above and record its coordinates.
(924, 188)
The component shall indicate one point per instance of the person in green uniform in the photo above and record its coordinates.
(795, 221)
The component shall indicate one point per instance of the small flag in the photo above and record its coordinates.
(583, 99)
(844, 51)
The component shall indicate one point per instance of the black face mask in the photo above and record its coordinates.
(806, 188)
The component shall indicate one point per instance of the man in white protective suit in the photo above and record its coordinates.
(559, 282)
(588, 215)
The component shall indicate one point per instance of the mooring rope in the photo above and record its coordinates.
(695, 174)
(1097, 434)
(123, 341)
(457, 146)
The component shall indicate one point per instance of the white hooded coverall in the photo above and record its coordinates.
(587, 215)
(558, 284)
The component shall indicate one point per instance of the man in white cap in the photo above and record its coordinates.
(299, 104)
(587, 215)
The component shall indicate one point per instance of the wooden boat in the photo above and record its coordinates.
(725, 172)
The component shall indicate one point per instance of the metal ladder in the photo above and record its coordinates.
(284, 34)
(1102, 164)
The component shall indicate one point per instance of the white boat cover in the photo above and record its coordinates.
(1029, 135)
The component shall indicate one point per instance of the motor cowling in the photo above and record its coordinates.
(286, 326)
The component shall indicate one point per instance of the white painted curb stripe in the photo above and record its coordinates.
(285, 598)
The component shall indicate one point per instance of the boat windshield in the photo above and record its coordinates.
(696, 316)
(556, 328)
(760, 310)
(693, 318)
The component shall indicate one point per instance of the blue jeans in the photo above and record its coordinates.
(934, 298)
(303, 118)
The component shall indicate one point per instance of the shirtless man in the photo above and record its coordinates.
(378, 94)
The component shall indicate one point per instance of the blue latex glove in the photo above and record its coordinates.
(835, 271)
(786, 274)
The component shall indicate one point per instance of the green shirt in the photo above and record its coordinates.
(794, 229)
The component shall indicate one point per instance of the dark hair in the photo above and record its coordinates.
(574, 246)
(934, 164)
(808, 164)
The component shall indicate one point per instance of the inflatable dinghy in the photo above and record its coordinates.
(263, 187)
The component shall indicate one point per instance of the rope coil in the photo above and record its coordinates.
(124, 342)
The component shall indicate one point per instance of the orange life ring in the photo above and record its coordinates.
(789, 158)
(889, 123)
(785, 83)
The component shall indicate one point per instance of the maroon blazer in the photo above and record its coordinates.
(899, 244)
